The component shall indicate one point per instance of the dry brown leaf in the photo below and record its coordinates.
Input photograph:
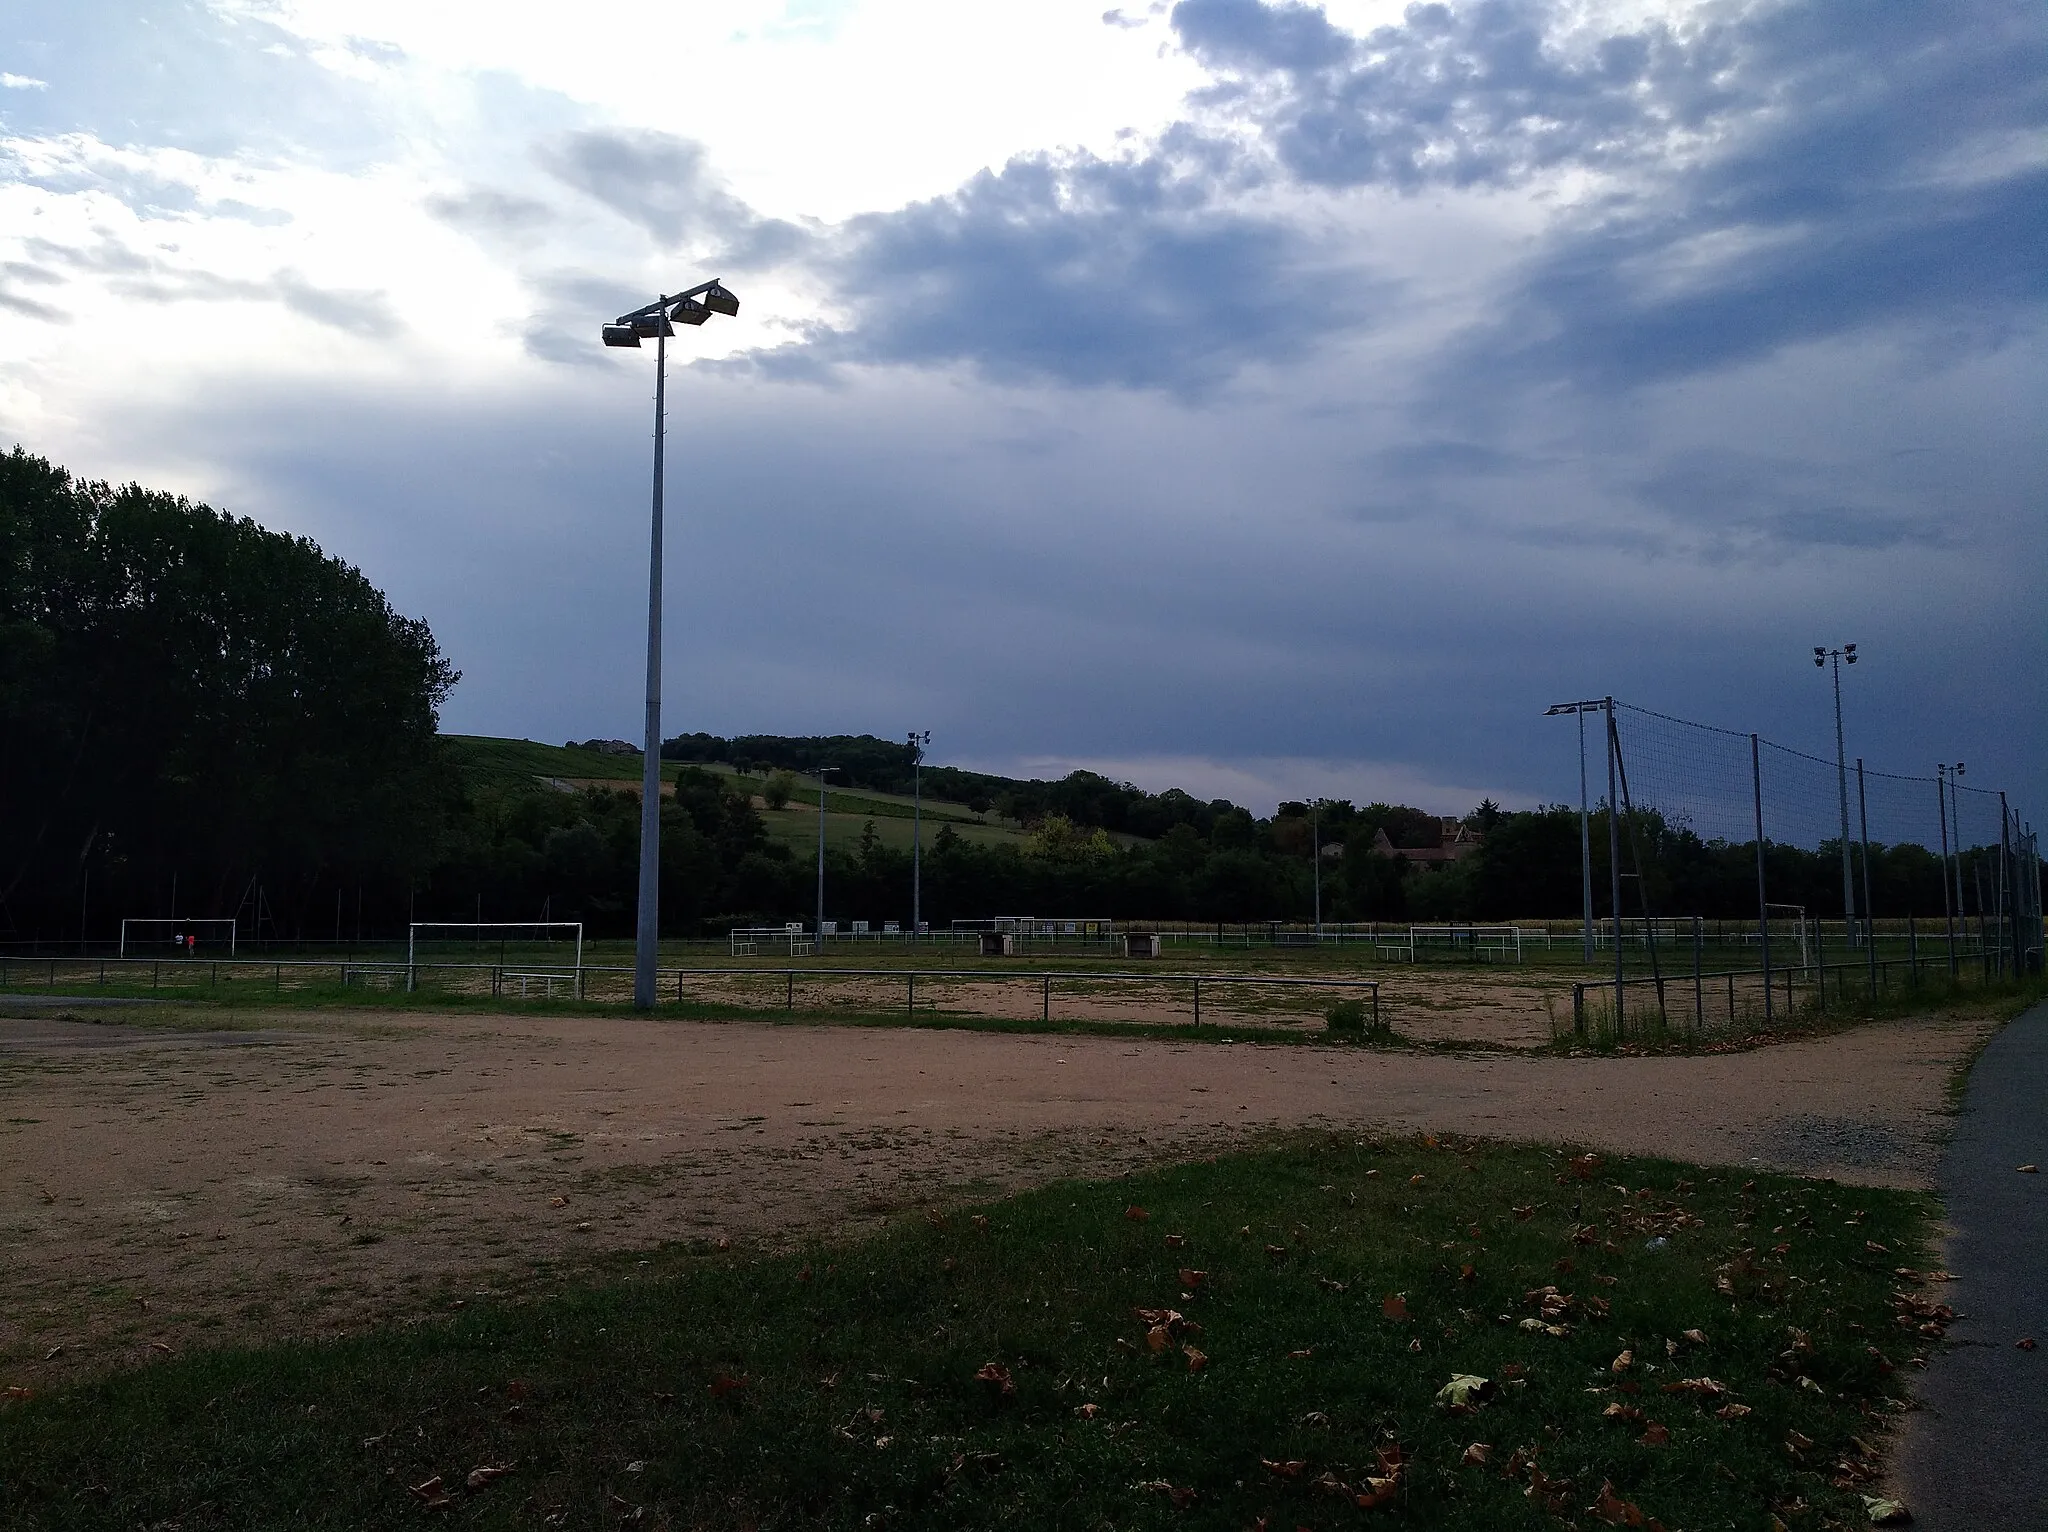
(432, 1493)
(1623, 1362)
(2030, 1170)
(1197, 1360)
(1523, 1215)
(1476, 1454)
(723, 1242)
(1191, 1278)
(483, 1474)
(1627, 1413)
(1088, 1411)
(1291, 1469)
(1158, 1338)
(2024, 1343)
(1697, 1337)
(724, 1384)
(1136, 1214)
(1615, 1511)
(1416, 1179)
(558, 1202)
(1468, 1272)
(1175, 1241)
(1798, 1441)
(1276, 1252)
(1732, 1411)
(16, 1391)
(997, 1376)
(1302, 1355)
(1655, 1435)
(1394, 1306)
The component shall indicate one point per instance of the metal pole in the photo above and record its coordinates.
(1863, 829)
(821, 863)
(1948, 908)
(647, 935)
(1614, 859)
(1315, 845)
(1955, 803)
(1842, 786)
(1763, 908)
(1585, 845)
(2007, 928)
(916, 836)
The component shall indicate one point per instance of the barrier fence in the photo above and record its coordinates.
(866, 990)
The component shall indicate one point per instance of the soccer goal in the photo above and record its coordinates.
(1498, 943)
(150, 931)
(526, 955)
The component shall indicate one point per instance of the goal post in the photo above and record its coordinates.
(501, 933)
(176, 925)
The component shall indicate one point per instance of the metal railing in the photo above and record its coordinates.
(522, 977)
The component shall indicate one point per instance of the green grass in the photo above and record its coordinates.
(836, 1386)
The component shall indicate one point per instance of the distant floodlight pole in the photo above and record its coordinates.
(1948, 910)
(1822, 657)
(1579, 710)
(1956, 773)
(823, 773)
(1315, 851)
(917, 743)
(657, 320)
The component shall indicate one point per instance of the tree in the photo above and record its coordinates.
(188, 693)
(778, 789)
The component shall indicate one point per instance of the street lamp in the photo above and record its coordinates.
(1580, 709)
(917, 743)
(1822, 657)
(823, 773)
(657, 321)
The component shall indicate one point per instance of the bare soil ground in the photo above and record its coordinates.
(172, 1178)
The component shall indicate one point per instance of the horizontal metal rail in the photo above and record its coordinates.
(532, 972)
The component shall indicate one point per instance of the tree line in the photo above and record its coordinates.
(201, 717)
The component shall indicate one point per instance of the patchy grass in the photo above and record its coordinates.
(1265, 1342)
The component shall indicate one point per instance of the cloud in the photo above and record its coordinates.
(663, 184)
(1092, 272)
(21, 82)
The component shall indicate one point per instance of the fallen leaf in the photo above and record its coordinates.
(724, 1384)
(1626, 1413)
(1377, 1492)
(935, 1218)
(1136, 1214)
(1798, 1441)
(1329, 1285)
(1732, 1411)
(1697, 1337)
(481, 1476)
(2025, 1343)
(1302, 1355)
(1655, 1435)
(1468, 1272)
(1158, 1338)
(1175, 1241)
(1615, 1511)
(805, 1274)
(16, 1391)
(638, 1465)
(1523, 1215)
(999, 1376)
(1394, 1306)
(1872, 1246)
(1464, 1393)
(1276, 1252)
(1885, 1513)
(722, 1243)
(157, 1345)
(1476, 1454)
(1197, 1360)
(1291, 1469)
(1088, 1411)
(980, 1221)
(1584, 1166)
(1191, 1278)
(1416, 1180)
(1623, 1362)
(432, 1492)
(2030, 1170)
(558, 1202)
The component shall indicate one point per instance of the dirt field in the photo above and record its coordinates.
(176, 1182)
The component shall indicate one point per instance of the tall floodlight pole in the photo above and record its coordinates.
(917, 745)
(1955, 818)
(1822, 657)
(1614, 855)
(1315, 851)
(1579, 711)
(823, 773)
(1948, 908)
(656, 321)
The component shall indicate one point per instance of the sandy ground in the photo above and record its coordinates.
(178, 1183)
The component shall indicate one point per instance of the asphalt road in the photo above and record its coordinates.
(1976, 1456)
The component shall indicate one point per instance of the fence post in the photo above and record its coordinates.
(1578, 1009)
(1913, 948)
(1869, 915)
(1198, 1002)
(1045, 1000)
(1699, 1002)
(789, 990)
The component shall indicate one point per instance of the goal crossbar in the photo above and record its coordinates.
(178, 923)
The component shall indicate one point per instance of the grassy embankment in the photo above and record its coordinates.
(1268, 1339)
(528, 763)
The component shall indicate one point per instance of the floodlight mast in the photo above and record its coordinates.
(1579, 711)
(657, 320)
(1821, 657)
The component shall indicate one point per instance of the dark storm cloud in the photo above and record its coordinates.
(1746, 504)
(1088, 271)
(662, 183)
(496, 214)
(1795, 171)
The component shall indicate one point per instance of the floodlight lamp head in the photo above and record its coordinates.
(690, 311)
(620, 335)
(1820, 660)
(651, 325)
(1849, 653)
(719, 299)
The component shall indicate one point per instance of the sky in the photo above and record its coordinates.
(1271, 400)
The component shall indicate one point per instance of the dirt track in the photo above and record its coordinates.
(333, 1169)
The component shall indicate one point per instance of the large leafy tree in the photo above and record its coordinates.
(185, 693)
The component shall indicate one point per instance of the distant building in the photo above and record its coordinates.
(1459, 841)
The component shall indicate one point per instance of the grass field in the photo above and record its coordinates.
(1337, 1332)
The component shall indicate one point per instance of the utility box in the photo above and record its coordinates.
(994, 944)
(1141, 944)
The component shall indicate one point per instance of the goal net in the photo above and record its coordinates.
(541, 957)
(148, 935)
